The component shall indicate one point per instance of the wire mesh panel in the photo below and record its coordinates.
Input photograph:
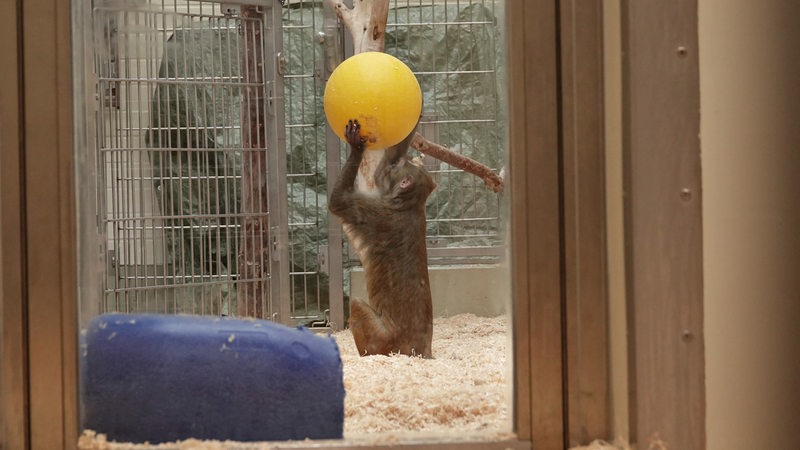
(307, 176)
(215, 159)
(183, 157)
(455, 50)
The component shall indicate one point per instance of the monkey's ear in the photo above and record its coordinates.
(406, 182)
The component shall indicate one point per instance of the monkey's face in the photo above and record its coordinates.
(407, 183)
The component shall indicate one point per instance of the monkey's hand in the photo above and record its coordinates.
(342, 201)
(352, 131)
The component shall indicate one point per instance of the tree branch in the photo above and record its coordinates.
(493, 181)
(366, 22)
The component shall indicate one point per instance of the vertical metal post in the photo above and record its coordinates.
(276, 163)
(257, 242)
(332, 55)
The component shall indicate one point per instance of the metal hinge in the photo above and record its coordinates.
(230, 9)
(322, 259)
(280, 61)
(274, 248)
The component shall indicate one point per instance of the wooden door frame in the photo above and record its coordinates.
(663, 222)
(39, 366)
(535, 239)
(560, 289)
(584, 222)
(14, 366)
(557, 276)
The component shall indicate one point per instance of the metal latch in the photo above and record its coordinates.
(230, 9)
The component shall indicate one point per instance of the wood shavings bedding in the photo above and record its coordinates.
(465, 389)
(602, 445)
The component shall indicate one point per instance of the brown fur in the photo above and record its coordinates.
(390, 230)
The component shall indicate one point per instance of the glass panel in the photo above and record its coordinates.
(176, 161)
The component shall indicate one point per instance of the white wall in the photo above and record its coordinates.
(481, 289)
(750, 131)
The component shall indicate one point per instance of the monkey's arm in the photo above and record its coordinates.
(342, 201)
(395, 152)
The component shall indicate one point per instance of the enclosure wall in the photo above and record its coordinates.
(750, 105)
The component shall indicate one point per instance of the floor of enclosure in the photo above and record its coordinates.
(465, 389)
(464, 392)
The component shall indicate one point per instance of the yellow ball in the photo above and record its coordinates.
(380, 92)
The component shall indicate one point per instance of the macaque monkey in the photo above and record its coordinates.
(388, 231)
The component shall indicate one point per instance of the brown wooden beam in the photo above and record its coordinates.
(583, 172)
(13, 364)
(663, 209)
(49, 218)
(536, 234)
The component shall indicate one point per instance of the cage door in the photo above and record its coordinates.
(190, 157)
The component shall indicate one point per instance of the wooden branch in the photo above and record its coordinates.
(493, 181)
(366, 22)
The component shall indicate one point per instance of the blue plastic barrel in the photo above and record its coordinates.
(161, 378)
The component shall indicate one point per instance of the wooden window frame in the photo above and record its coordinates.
(663, 222)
